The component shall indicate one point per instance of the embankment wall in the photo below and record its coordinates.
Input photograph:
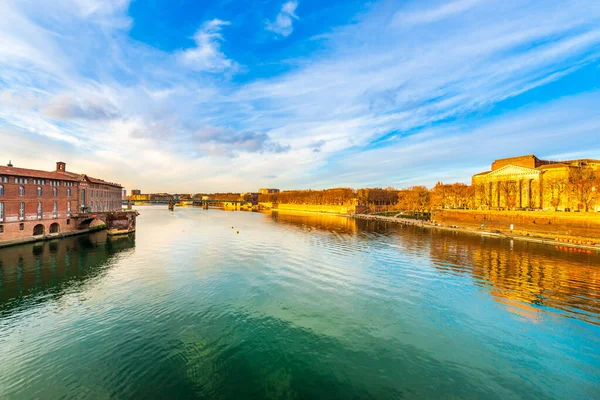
(542, 223)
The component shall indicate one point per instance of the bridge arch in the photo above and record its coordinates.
(39, 230)
(91, 222)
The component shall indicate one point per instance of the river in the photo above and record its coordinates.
(231, 305)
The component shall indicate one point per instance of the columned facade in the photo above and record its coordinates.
(511, 187)
(528, 183)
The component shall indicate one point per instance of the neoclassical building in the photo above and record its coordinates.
(526, 182)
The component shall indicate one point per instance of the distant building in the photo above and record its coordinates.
(182, 197)
(268, 191)
(136, 192)
(253, 197)
(35, 203)
(526, 182)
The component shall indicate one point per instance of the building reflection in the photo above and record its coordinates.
(46, 270)
(527, 278)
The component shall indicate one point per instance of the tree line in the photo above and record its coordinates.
(581, 186)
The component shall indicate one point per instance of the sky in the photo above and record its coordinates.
(234, 95)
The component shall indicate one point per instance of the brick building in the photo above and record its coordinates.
(37, 203)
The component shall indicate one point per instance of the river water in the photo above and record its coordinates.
(295, 307)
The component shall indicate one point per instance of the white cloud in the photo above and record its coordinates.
(436, 13)
(284, 22)
(207, 55)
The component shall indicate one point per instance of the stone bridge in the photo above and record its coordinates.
(116, 222)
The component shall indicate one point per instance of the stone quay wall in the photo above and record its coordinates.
(536, 223)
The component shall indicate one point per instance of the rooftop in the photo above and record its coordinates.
(56, 175)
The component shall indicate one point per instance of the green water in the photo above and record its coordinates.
(296, 307)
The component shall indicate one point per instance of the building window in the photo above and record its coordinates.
(55, 210)
(1, 211)
(39, 191)
(40, 211)
(21, 191)
(1, 190)
(1, 228)
(68, 222)
(54, 192)
(69, 192)
(21, 226)
(22, 211)
(68, 208)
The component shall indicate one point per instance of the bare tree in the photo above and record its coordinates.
(584, 183)
(483, 194)
(556, 188)
(508, 191)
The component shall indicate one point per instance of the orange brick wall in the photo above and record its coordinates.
(532, 222)
(12, 230)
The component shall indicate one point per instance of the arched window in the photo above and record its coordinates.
(54, 191)
(21, 191)
(39, 191)
(69, 192)
(1, 190)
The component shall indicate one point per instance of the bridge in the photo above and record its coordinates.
(194, 202)
(116, 222)
(165, 201)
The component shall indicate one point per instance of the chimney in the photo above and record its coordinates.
(9, 164)
(61, 166)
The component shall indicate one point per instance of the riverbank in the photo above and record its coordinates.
(482, 232)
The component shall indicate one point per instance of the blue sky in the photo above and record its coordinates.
(190, 96)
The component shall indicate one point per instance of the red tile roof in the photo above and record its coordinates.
(57, 175)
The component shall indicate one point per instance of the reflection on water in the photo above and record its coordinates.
(35, 272)
(529, 278)
(231, 305)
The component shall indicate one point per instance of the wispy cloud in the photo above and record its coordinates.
(436, 13)
(284, 22)
(66, 107)
(224, 141)
(207, 55)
